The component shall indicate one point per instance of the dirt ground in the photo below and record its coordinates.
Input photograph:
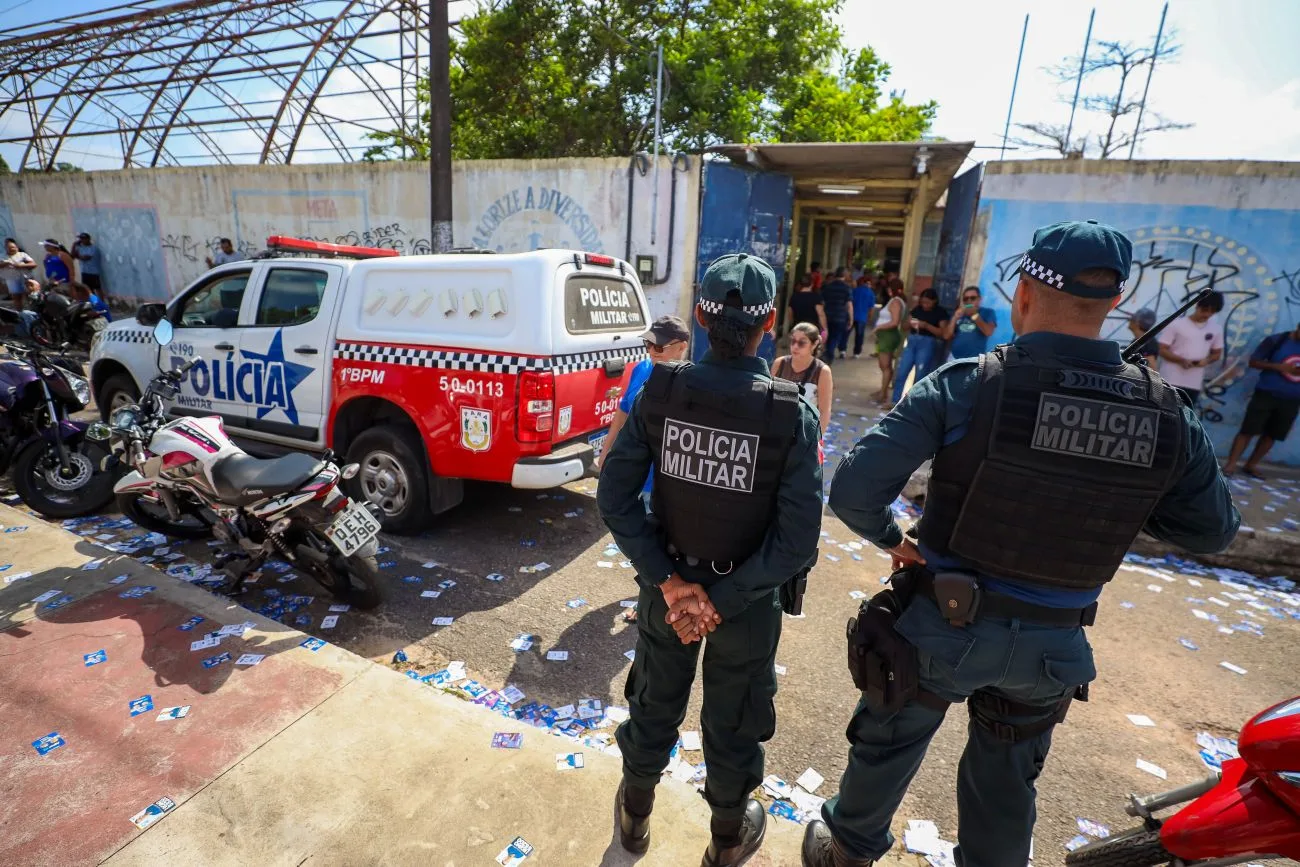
(1142, 667)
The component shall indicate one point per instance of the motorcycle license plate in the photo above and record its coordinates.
(354, 527)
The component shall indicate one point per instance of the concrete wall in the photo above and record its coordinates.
(1230, 226)
(155, 227)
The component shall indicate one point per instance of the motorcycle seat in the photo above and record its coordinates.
(243, 479)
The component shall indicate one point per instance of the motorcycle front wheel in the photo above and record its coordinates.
(153, 516)
(1140, 847)
(46, 486)
(353, 579)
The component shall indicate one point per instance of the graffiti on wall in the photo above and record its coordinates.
(532, 217)
(130, 247)
(1247, 256)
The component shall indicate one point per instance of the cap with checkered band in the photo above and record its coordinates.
(1062, 250)
(748, 275)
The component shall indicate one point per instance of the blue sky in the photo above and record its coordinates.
(1238, 80)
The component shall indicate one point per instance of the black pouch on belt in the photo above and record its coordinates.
(883, 664)
(792, 593)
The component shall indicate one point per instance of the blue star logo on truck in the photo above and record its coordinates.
(265, 380)
(291, 374)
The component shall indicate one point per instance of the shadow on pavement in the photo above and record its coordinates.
(596, 645)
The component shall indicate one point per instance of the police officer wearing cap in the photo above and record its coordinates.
(736, 516)
(1050, 455)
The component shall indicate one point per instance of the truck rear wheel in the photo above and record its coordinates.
(392, 476)
(116, 392)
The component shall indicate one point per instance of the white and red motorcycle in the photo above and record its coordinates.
(189, 481)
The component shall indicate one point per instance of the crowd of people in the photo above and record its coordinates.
(822, 314)
(76, 272)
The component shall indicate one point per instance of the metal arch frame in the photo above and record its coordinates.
(169, 39)
(381, 8)
(306, 61)
(167, 82)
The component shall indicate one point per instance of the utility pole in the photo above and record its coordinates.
(439, 127)
(1015, 81)
(659, 80)
(1155, 53)
(1078, 83)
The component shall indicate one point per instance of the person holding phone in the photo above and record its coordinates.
(925, 342)
(889, 335)
(1274, 405)
(970, 327)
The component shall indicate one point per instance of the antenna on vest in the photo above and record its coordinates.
(1134, 351)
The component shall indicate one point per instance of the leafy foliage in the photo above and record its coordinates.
(550, 78)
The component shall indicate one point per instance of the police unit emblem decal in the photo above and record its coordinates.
(565, 421)
(476, 428)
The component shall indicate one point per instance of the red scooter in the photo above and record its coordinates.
(1248, 812)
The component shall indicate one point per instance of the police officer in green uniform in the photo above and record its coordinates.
(736, 516)
(1050, 455)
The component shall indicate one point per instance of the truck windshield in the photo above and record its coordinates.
(593, 303)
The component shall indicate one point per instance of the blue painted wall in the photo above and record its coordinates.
(1251, 256)
(742, 211)
(130, 248)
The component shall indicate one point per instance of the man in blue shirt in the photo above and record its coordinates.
(668, 339)
(971, 326)
(837, 300)
(85, 252)
(864, 300)
(1276, 401)
(1050, 456)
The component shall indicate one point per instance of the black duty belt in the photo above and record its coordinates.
(717, 567)
(993, 604)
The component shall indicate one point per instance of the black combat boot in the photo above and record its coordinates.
(821, 850)
(735, 840)
(632, 808)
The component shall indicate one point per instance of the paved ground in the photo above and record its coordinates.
(1143, 668)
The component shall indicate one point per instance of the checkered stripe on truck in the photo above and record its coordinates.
(479, 362)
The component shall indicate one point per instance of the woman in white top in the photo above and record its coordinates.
(806, 370)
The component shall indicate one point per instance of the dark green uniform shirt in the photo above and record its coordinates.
(790, 543)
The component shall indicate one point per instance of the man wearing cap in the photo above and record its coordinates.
(85, 252)
(736, 515)
(1139, 324)
(1050, 456)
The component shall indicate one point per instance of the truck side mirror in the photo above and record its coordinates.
(150, 314)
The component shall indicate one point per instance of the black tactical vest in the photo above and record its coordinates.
(718, 458)
(1059, 470)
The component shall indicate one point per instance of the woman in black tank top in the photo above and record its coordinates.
(806, 370)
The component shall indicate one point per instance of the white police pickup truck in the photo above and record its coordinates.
(425, 370)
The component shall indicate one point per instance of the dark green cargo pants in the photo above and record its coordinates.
(738, 713)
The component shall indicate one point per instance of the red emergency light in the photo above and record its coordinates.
(285, 244)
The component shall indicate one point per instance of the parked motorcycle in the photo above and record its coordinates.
(62, 320)
(189, 480)
(1250, 811)
(56, 461)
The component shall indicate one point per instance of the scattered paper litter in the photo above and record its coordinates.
(1154, 770)
(557, 655)
(810, 780)
(568, 761)
(1235, 669)
(691, 741)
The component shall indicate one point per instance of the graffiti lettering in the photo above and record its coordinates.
(555, 219)
(182, 247)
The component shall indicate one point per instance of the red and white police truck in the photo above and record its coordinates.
(425, 370)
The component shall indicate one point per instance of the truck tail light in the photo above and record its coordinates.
(536, 406)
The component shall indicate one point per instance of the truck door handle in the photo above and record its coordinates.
(306, 350)
(224, 347)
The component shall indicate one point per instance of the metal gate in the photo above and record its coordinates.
(742, 211)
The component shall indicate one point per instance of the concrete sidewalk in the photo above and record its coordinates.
(307, 756)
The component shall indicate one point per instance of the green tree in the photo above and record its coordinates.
(826, 107)
(550, 78)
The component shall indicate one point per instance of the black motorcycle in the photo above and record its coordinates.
(62, 320)
(56, 461)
